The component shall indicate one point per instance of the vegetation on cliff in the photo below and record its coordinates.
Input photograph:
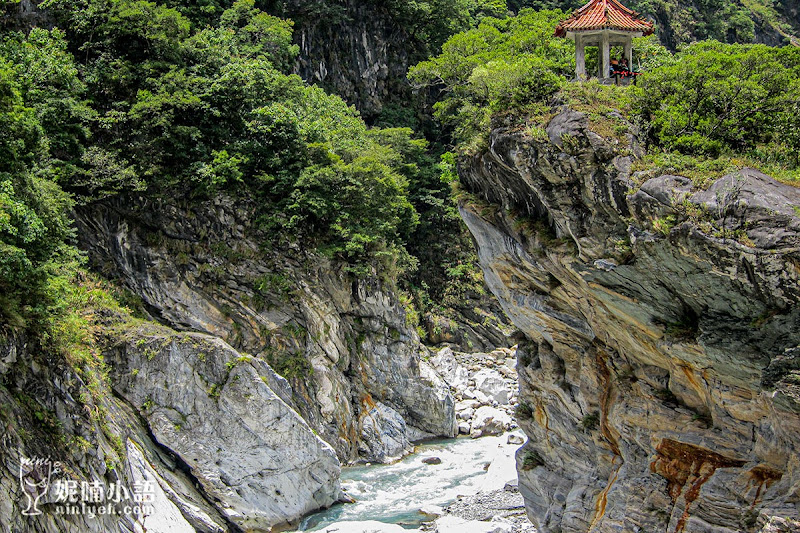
(178, 99)
(504, 64)
(719, 97)
(707, 108)
(132, 99)
(183, 100)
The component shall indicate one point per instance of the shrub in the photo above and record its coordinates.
(523, 411)
(590, 421)
(720, 97)
(502, 65)
(531, 460)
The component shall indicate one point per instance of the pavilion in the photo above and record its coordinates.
(602, 23)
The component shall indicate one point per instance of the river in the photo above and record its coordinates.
(395, 493)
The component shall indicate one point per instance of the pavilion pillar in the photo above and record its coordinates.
(629, 51)
(605, 53)
(580, 57)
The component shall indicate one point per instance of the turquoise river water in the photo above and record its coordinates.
(395, 493)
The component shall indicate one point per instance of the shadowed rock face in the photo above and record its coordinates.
(662, 329)
(355, 49)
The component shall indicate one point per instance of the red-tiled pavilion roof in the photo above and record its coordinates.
(604, 14)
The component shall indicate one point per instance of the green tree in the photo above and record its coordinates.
(212, 109)
(719, 96)
(33, 209)
(503, 64)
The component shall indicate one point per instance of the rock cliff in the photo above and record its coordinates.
(354, 49)
(658, 376)
(352, 360)
(251, 373)
(201, 423)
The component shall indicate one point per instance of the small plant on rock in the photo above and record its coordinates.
(666, 396)
(664, 225)
(591, 421)
(523, 411)
(531, 460)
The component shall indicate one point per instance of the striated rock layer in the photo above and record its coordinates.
(658, 379)
(203, 424)
(351, 359)
(354, 49)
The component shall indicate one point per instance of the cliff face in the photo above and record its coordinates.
(352, 361)
(204, 425)
(192, 401)
(663, 331)
(354, 49)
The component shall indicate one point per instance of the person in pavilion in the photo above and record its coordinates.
(603, 23)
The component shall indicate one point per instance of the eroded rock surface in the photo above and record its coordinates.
(353, 49)
(344, 345)
(213, 408)
(656, 384)
(191, 417)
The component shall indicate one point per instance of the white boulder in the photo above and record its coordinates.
(492, 384)
(490, 421)
(383, 433)
(446, 365)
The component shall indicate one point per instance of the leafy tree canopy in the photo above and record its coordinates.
(210, 107)
(718, 97)
(134, 96)
(503, 64)
(38, 90)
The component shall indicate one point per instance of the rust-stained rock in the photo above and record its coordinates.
(662, 325)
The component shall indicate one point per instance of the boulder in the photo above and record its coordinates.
(466, 414)
(515, 439)
(211, 406)
(481, 398)
(492, 384)
(467, 404)
(451, 371)
(490, 421)
(432, 511)
(384, 436)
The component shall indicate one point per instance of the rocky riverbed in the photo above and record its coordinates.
(471, 489)
(484, 386)
(467, 485)
(499, 511)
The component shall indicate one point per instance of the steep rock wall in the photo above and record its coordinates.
(663, 326)
(202, 423)
(355, 50)
(353, 363)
